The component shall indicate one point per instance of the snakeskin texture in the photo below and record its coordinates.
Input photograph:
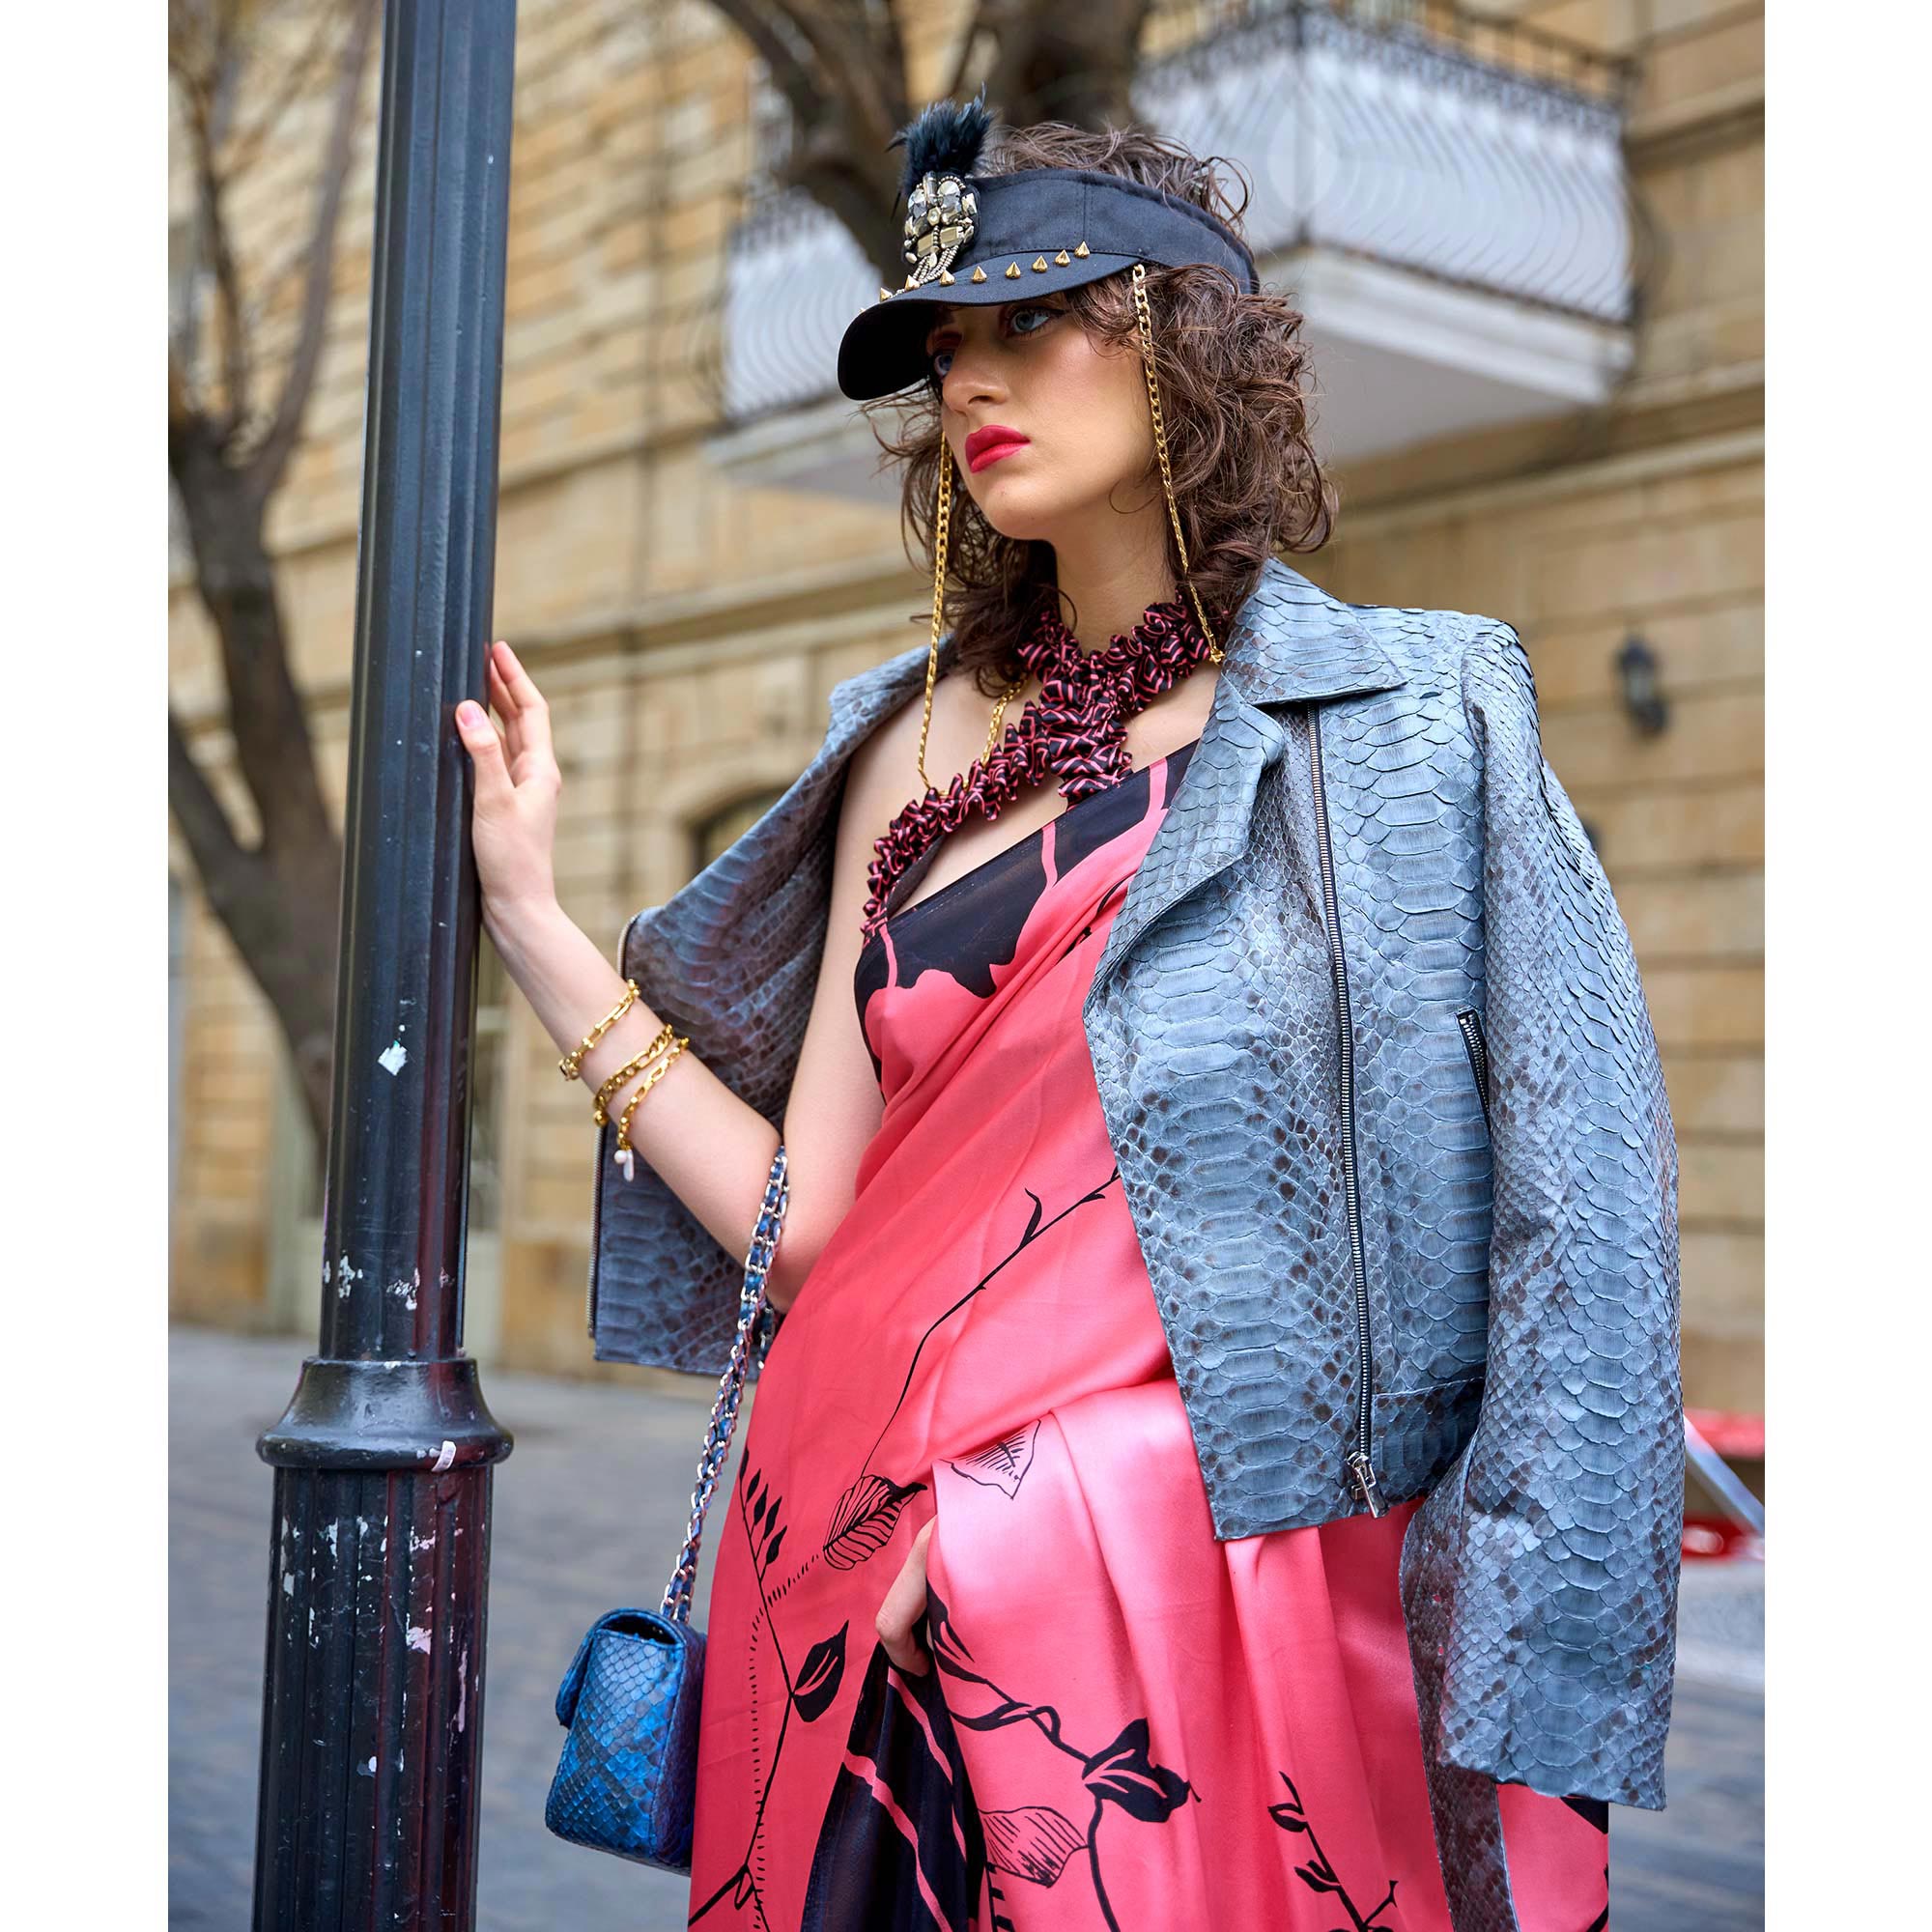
(733, 958)
(1539, 1575)
(1522, 1368)
(628, 1775)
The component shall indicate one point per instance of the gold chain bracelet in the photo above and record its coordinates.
(598, 1109)
(571, 1066)
(622, 1154)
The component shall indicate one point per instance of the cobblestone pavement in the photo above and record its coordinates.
(588, 1512)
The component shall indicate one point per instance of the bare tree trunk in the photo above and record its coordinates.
(280, 899)
(842, 73)
(1071, 64)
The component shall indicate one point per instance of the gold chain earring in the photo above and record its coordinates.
(1215, 654)
(941, 526)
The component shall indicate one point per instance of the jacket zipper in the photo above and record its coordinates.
(1471, 1023)
(1361, 1458)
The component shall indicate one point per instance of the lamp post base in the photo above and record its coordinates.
(376, 1613)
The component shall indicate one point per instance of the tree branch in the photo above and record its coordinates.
(270, 459)
(789, 74)
(181, 403)
(228, 292)
(975, 27)
(1071, 64)
(842, 72)
(211, 842)
(245, 147)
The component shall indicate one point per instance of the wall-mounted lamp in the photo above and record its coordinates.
(1643, 696)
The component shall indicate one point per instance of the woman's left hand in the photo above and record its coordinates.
(905, 1606)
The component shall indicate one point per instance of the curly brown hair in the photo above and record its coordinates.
(1231, 367)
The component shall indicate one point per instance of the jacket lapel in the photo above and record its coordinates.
(1292, 644)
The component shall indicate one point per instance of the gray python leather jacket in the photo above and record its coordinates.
(1382, 1081)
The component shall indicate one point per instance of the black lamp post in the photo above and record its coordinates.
(373, 1700)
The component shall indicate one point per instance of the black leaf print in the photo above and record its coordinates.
(819, 1676)
(1318, 1874)
(1011, 1712)
(758, 1512)
(942, 1639)
(865, 1518)
(772, 1547)
(1289, 1813)
(1122, 1772)
(1034, 1219)
(1002, 1464)
(1034, 1843)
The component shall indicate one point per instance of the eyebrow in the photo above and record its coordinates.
(949, 312)
(943, 320)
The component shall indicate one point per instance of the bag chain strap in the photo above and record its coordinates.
(731, 1386)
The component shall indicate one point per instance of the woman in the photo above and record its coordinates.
(1219, 1461)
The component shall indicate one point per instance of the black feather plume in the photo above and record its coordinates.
(945, 138)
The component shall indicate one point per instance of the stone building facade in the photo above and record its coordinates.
(692, 550)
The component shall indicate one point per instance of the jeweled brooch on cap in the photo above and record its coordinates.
(942, 146)
(940, 220)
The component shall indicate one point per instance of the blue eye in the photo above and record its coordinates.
(942, 361)
(1018, 323)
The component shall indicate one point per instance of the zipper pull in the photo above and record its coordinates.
(1366, 1483)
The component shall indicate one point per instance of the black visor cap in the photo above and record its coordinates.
(1027, 236)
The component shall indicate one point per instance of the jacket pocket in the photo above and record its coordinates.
(1470, 1021)
(1422, 1430)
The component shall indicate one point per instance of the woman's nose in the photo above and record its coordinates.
(973, 377)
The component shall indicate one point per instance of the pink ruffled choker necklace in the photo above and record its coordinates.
(1076, 727)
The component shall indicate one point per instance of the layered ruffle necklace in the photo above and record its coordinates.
(1076, 727)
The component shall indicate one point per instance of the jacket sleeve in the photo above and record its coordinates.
(1539, 1575)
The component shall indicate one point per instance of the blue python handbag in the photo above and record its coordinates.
(628, 1778)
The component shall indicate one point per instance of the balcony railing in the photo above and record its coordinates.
(1395, 144)
(1412, 168)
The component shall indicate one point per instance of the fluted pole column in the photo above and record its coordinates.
(379, 1562)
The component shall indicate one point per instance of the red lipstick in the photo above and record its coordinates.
(987, 446)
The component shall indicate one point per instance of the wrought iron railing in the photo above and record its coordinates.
(1391, 142)
(1508, 46)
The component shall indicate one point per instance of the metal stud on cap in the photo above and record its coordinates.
(1083, 251)
(1040, 264)
(979, 274)
(1059, 261)
(1013, 271)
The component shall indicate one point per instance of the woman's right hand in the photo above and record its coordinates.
(514, 825)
